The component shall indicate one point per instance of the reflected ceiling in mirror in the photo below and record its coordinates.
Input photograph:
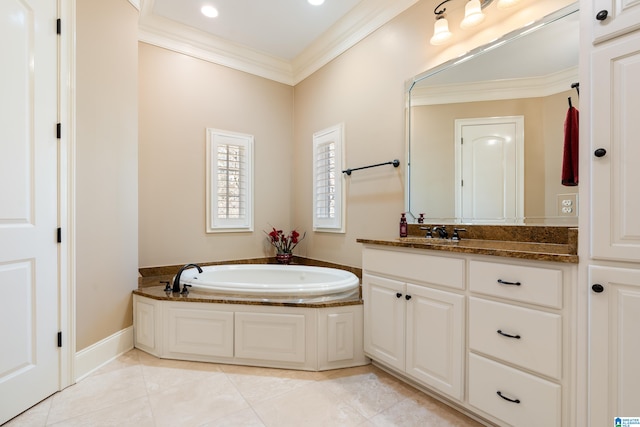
(524, 79)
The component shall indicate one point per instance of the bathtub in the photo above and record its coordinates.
(273, 282)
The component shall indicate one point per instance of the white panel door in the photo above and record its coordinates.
(614, 339)
(615, 128)
(29, 358)
(490, 169)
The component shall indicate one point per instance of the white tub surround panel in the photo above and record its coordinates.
(305, 338)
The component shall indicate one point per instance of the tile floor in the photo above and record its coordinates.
(140, 390)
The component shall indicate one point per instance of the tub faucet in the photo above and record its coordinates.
(176, 280)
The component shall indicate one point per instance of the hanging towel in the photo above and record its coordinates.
(570, 152)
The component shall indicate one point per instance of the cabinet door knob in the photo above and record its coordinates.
(602, 15)
(398, 295)
(600, 152)
(597, 288)
(407, 297)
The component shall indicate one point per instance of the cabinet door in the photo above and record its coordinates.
(435, 338)
(384, 317)
(622, 16)
(614, 339)
(615, 225)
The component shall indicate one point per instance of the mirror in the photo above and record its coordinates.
(508, 100)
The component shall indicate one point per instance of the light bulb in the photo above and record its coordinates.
(441, 32)
(209, 11)
(472, 14)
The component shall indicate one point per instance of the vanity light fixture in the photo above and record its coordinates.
(473, 15)
(209, 11)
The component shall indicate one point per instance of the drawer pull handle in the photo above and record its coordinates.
(503, 282)
(407, 297)
(507, 335)
(506, 398)
(398, 295)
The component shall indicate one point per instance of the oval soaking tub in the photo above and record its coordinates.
(273, 281)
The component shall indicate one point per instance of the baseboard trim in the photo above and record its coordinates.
(99, 354)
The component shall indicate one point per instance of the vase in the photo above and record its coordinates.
(284, 258)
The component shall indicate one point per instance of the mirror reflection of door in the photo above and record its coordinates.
(490, 169)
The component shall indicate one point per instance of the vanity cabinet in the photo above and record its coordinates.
(516, 341)
(411, 323)
(612, 276)
(496, 338)
(615, 224)
(416, 330)
(613, 18)
(614, 343)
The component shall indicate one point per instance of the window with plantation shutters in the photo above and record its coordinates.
(328, 194)
(229, 181)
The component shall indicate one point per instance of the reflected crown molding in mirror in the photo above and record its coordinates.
(492, 90)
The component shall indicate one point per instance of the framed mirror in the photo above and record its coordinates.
(486, 131)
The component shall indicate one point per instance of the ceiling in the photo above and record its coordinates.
(283, 40)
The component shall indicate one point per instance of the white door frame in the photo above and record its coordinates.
(519, 148)
(66, 190)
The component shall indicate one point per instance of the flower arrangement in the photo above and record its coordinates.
(284, 243)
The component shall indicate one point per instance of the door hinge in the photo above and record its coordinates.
(59, 235)
(59, 26)
(60, 339)
(462, 183)
(59, 130)
(461, 141)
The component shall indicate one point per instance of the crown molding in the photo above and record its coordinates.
(495, 90)
(361, 21)
(165, 33)
(135, 3)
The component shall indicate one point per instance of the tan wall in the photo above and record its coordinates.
(180, 97)
(106, 168)
(365, 89)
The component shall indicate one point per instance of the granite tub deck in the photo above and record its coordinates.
(158, 293)
(152, 281)
(556, 244)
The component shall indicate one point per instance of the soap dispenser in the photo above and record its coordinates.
(403, 226)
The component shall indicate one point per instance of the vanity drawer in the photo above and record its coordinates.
(416, 267)
(536, 285)
(538, 401)
(539, 347)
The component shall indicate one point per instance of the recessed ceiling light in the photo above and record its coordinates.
(316, 2)
(209, 11)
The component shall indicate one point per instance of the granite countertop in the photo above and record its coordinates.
(158, 293)
(541, 244)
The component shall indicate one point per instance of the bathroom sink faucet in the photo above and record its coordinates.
(442, 231)
(176, 280)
